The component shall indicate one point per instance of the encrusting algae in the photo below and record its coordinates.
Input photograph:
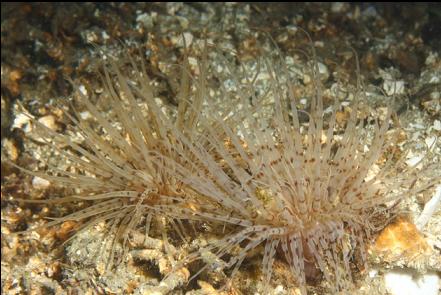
(238, 157)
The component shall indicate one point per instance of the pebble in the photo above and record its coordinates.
(431, 58)
(10, 148)
(22, 122)
(86, 115)
(393, 87)
(49, 121)
(338, 7)
(430, 142)
(323, 72)
(279, 290)
(83, 90)
(40, 183)
(437, 125)
(187, 37)
(146, 20)
(414, 160)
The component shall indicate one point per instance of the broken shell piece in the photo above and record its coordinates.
(429, 209)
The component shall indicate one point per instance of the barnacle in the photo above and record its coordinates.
(241, 155)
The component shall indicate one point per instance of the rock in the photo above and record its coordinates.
(408, 282)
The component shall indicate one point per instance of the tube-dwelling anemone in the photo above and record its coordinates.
(304, 188)
(114, 167)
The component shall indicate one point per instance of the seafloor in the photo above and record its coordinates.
(399, 49)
